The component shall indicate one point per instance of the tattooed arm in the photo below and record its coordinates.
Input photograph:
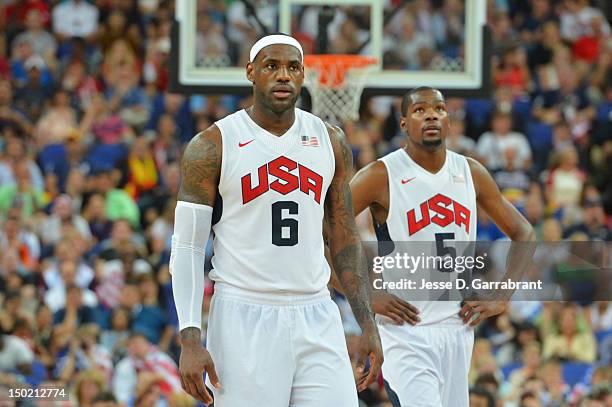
(200, 170)
(347, 256)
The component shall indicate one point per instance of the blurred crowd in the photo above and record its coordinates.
(90, 143)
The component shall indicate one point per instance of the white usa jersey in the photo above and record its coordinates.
(268, 217)
(436, 208)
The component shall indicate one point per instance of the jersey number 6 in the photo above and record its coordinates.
(279, 223)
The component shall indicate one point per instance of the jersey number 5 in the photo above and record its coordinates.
(443, 250)
(279, 224)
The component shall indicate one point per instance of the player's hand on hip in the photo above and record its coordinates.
(369, 347)
(395, 308)
(194, 360)
(474, 312)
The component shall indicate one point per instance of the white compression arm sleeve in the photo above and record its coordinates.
(191, 230)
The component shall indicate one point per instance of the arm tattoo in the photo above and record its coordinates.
(200, 167)
(345, 245)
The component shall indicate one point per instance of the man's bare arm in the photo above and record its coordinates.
(499, 209)
(201, 167)
(370, 188)
(344, 243)
(348, 258)
(515, 226)
(200, 170)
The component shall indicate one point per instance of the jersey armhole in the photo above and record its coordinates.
(390, 208)
(330, 147)
(224, 158)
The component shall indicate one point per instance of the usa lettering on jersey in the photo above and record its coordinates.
(282, 169)
(440, 210)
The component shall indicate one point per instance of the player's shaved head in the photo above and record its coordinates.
(409, 97)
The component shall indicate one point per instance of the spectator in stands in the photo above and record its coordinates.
(116, 28)
(492, 145)
(14, 154)
(143, 177)
(57, 122)
(576, 19)
(94, 214)
(457, 140)
(105, 399)
(483, 361)
(166, 147)
(62, 214)
(480, 397)
(32, 97)
(593, 219)
(82, 354)
(448, 26)
(531, 27)
(144, 358)
(55, 297)
(147, 318)
(564, 183)
(81, 85)
(15, 360)
(599, 315)
(177, 106)
(411, 42)
(87, 385)
(504, 34)
(556, 390)
(11, 118)
(23, 196)
(489, 382)
(15, 236)
(512, 71)
(124, 240)
(15, 14)
(118, 203)
(529, 399)
(74, 313)
(212, 49)
(514, 183)
(531, 363)
(349, 38)
(572, 339)
(42, 42)
(243, 30)
(105, 123)
(75, 18)
(43, 330)
(123, 92)
(115, 339)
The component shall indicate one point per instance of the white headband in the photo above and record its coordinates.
(271, 40)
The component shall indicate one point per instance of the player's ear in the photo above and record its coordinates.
(403, 123)
(249, 72)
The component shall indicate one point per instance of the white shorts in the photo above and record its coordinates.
(278, 350)
(427, 365)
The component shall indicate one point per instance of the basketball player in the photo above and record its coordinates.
(427, 360)
(273, 174)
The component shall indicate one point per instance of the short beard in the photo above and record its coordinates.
(268, 103)
(432, 144)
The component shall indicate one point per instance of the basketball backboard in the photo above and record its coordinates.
(439, 43)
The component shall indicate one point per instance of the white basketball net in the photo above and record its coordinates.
(337, 104)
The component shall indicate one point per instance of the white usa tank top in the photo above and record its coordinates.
(436, 208)
(268, 217)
